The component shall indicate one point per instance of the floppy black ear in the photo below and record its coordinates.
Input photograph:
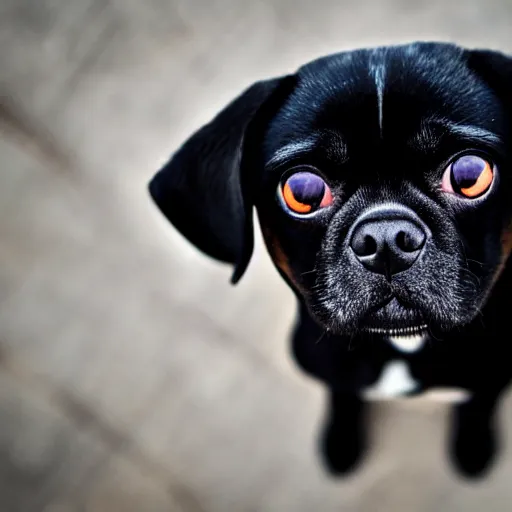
(202, 190)
(496, 69)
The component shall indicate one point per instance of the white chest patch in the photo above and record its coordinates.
(396, 381)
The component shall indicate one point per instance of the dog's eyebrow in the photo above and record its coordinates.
(290, 150)
(476, 133)
(432, 132)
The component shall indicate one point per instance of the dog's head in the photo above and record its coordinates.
(382, 180)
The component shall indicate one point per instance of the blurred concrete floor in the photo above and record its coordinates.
(133, 376)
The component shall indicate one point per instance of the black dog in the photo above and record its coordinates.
(382, 181)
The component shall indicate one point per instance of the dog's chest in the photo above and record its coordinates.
(396, 379)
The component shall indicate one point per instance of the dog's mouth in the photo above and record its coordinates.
(394, 318)
(402, 326)
(408, 339)
(409, 332)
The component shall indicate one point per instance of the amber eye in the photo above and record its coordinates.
(305, 192)
(469, 176)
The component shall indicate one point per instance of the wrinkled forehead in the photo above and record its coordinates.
(386, 95)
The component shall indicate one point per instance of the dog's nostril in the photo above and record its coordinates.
(410, 240)
(405, 242)
(364, 245)
(369, 246)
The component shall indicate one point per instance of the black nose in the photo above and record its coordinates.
(389, 244)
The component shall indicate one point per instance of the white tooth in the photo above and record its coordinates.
(409, 343)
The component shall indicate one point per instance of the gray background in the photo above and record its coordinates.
(133, 377)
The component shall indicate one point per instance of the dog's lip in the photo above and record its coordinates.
(407, 340)
(387, 301)
(393, 318)
(409, 331)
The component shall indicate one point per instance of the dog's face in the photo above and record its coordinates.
(380, 177)
(383, 185)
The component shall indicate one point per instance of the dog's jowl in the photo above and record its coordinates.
(382, 183)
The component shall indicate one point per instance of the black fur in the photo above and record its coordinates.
(380, 125)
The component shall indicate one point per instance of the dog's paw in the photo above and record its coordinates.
(473, 449)
(342, 448)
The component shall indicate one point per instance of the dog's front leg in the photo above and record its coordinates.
(474, 434)
(343, 438)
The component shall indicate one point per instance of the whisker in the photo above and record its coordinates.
(320, 338)
(476, 261)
